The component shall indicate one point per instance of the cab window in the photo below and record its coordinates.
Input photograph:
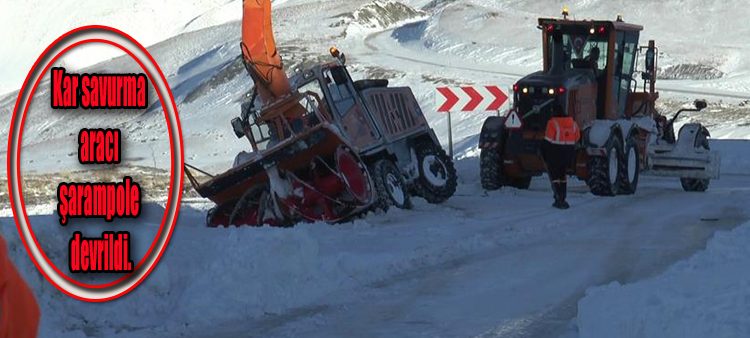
(581, 49)
(337, 82)
(625, 52)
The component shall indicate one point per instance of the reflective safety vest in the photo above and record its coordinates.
(19, 312)
(562, 130)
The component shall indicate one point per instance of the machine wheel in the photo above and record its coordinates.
(490, 171)
(629, 169)
(437, 176)
(390, 186)
(604, 179)
(698, 184)
(694, 184)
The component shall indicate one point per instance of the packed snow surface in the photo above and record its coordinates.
(707, 295)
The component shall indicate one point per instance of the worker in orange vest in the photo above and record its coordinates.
(19, 312)
(558, 151)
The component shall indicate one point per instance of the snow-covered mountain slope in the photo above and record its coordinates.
(29, 26)
(687, 32)
(459, 42)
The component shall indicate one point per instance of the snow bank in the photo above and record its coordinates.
(707, 295)
(228, 275)
(245, 272)
(732, 159)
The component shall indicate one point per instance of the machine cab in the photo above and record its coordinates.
(607, 48)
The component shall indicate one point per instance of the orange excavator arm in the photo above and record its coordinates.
(259, 51)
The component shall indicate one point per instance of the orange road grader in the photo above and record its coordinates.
(589, 73)
(324, 147)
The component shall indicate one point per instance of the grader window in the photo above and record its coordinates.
(625, 51)
(580, 50)
(600, 48)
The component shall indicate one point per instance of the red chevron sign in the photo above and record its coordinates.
(470, 98)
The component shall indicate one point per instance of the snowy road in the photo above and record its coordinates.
(534, 265)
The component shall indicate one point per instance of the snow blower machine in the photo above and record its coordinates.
(589, 73)
(324, 147)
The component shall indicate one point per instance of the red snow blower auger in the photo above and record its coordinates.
(324, 147)
(299, 170)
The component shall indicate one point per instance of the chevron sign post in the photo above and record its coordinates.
(468, 99)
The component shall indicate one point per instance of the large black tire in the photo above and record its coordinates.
(629, 168)
(390, 186)
(694, 184)
(490, 170)
(437, 178)
(604, 178)
(698, 184)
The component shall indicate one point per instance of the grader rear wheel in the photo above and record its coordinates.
(604, 172)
